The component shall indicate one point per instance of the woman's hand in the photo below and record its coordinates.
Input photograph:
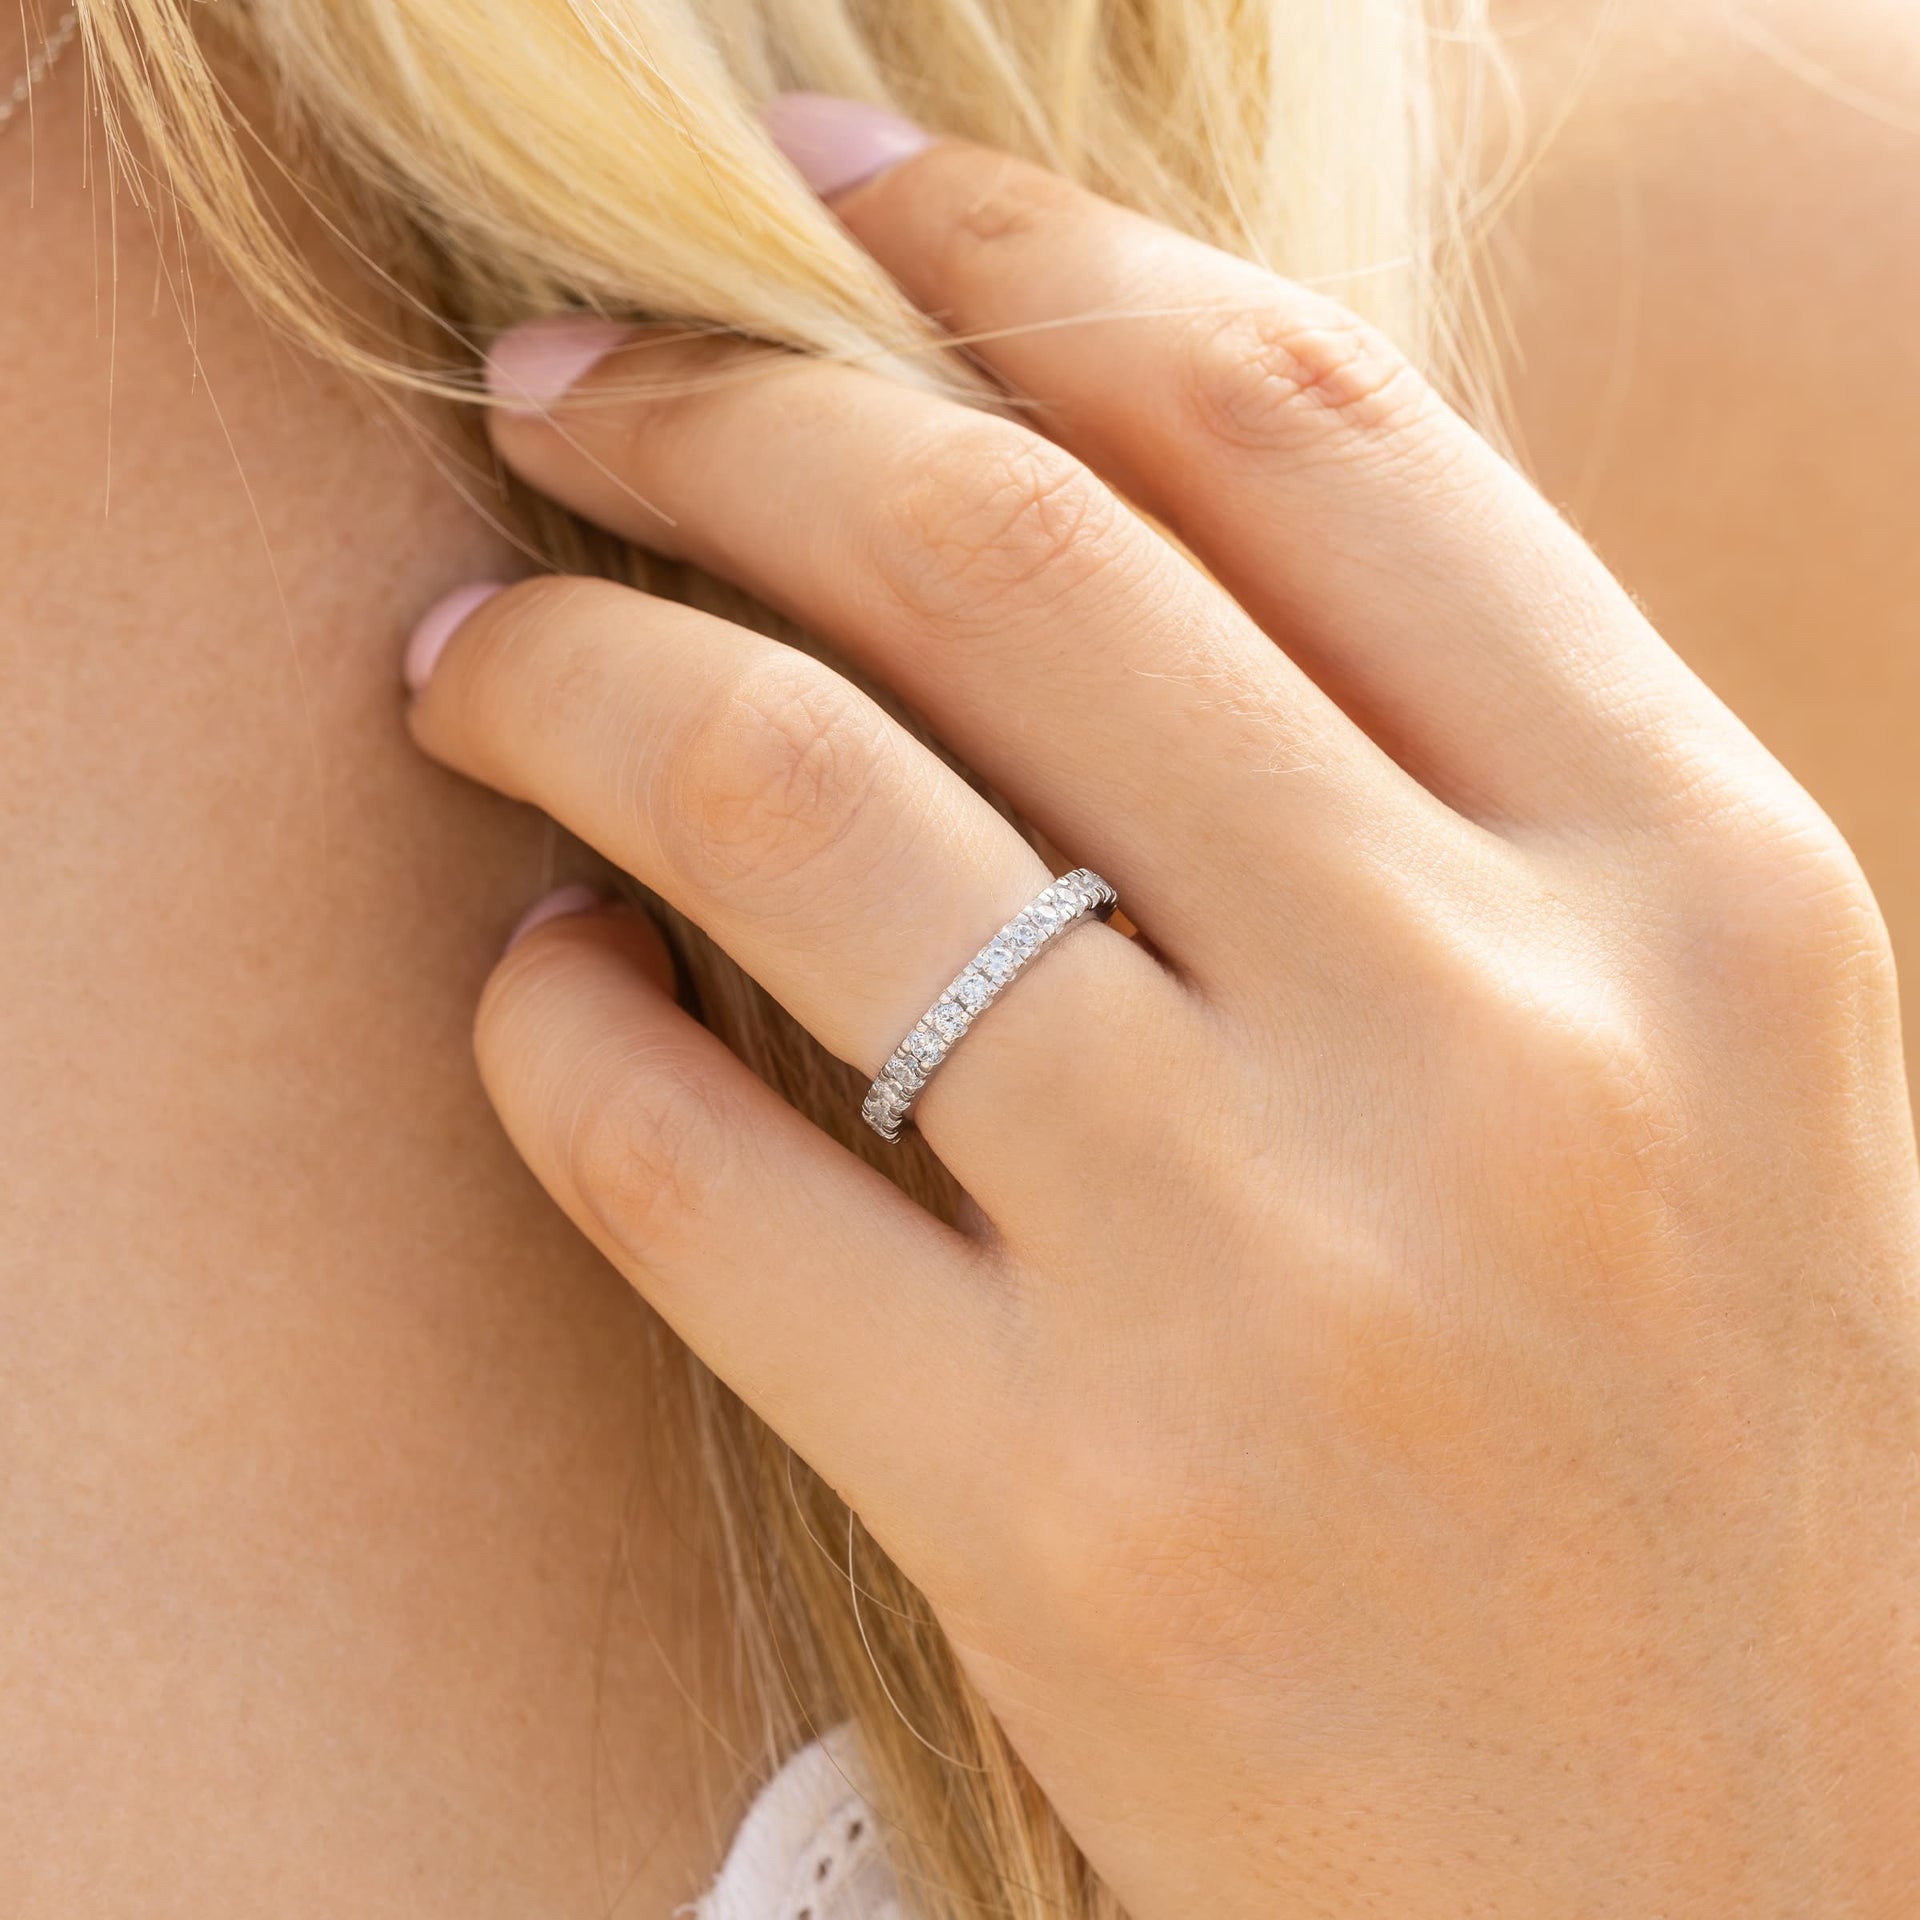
(1427, 1421)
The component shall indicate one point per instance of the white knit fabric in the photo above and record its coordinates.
(810, 1846)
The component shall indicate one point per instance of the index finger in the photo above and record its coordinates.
(1303, 458)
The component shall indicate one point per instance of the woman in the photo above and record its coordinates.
(1417, 1411)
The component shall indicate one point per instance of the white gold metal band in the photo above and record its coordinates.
(1076, 896)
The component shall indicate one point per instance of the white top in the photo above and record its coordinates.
(810, 1846)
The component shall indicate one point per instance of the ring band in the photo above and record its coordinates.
(1076, 896)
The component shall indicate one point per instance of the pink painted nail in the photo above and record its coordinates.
(428, 641)
(576, 898)
(533, 365)
(835, 144)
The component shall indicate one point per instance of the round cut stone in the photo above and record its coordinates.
(972, 991)
(949, 1020)
(923, 1046)
(997, 963)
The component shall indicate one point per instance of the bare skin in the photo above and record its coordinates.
(320, 1423)
(320, 1418)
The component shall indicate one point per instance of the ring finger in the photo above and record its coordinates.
(830, 853)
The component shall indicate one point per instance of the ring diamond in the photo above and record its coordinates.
(1076, 896)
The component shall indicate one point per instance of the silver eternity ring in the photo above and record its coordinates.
(1076, 896)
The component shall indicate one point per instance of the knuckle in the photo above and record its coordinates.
(1579, 1093)
(1780, 900)
(1828, 899)
(1259, 378)
(1601, 1084)
(645, 1151)
(1000, 513)
(1830, 904)
(782, 769)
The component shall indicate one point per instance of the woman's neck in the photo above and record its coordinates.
(322, 1425)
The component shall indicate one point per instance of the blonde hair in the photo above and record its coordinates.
(491, 159)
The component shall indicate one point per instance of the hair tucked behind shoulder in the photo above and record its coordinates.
(492, 159)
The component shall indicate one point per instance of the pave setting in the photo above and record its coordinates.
(1076, 896)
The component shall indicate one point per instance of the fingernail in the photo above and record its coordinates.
(576, 898)
(533, 365)
(835, 144)
(428, 641)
